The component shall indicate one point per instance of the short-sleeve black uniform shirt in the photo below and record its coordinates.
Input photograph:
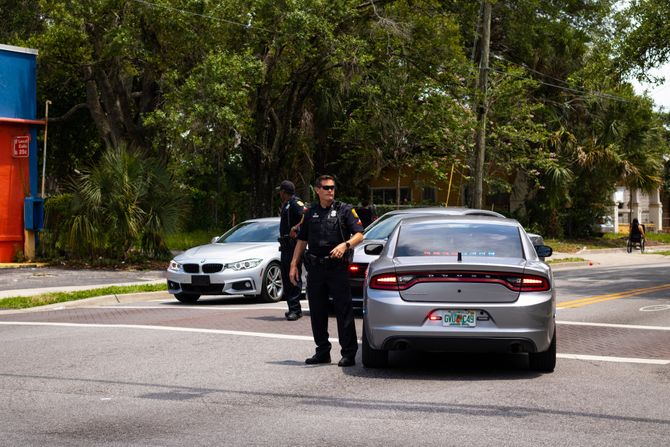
(325, 228)
(291, 213)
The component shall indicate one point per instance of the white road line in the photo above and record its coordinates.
(622, 326)
(293, 337)
(600, 358)
(161, 328)
(121, 306)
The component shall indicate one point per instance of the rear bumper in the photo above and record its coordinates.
(526, 325)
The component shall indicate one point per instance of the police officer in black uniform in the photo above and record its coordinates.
(289, 224)
(331, 230)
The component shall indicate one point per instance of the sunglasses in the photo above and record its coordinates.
(328, 187)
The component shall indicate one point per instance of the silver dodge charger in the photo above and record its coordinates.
(459, 284)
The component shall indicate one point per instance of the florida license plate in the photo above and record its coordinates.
(459, 318)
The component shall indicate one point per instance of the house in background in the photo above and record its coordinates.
(415, 189)
(647, 207)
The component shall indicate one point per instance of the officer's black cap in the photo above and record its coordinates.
(286, 186)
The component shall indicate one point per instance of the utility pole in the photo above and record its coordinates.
(482, 105)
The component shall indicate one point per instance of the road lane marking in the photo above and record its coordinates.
(600, 358)
(161, 328)
(611, 296)
(189, 307)
(615, 325)
(293, 337)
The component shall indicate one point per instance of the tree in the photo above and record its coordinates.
(125, 201)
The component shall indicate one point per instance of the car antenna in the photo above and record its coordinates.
(460, 257)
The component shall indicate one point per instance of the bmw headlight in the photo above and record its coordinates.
(174, 266)
(244, 265)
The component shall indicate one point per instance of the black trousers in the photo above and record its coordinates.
(324, 281)
(291, 292)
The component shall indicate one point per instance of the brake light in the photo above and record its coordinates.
(357, 270)
(517, 283)
(388, 281)
(534, 284)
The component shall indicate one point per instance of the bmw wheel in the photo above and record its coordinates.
(273, 287)
(544, 361)
(371, 357)
(187, 298)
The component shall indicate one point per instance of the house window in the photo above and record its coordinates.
(387, 196)
(429, 194)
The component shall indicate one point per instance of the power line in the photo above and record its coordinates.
(526, 67)
(195, 14)
(568, 89)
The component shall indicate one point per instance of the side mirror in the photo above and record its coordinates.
(214, 240)
(543, 251)
(373, 249)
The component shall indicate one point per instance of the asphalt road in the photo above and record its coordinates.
(231, 372)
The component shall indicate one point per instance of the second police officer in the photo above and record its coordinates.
(289, 224)
(331, 230)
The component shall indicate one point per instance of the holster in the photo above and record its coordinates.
(286, 243)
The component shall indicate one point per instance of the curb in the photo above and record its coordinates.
(96, 300)
(22, 265)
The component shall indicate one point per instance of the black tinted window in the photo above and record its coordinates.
(448, 239)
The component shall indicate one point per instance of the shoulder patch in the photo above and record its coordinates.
(300, 203)
(353, 211)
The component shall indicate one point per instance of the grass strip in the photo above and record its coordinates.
(560, 260)
(23, 302)
(662, 252)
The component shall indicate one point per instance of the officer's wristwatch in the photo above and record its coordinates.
(348, 245)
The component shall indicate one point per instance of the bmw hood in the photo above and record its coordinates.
(230, 252)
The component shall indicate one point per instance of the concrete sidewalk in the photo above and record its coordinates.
(611, 257)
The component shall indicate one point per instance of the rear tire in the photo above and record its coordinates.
(629, 247)
(272, 289)
(373, 358)
(544, 361)
(642, 245)
(187, 298)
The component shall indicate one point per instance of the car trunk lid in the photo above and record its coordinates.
(483, 280)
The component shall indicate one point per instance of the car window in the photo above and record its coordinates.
(252, 232)
(383, 226)
(448, 239)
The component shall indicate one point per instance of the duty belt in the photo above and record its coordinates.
(326, 261)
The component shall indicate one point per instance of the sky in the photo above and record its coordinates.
(660, 94)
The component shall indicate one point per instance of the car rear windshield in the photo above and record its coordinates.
(252, 232)
(448, 239)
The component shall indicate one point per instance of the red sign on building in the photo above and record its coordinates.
(21, 146)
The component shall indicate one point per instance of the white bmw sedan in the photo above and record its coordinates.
(243, 261)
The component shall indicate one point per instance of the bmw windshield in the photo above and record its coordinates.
(251, 232)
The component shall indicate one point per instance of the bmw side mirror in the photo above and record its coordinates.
(373, 249)
(543, 251)
(215, 239)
